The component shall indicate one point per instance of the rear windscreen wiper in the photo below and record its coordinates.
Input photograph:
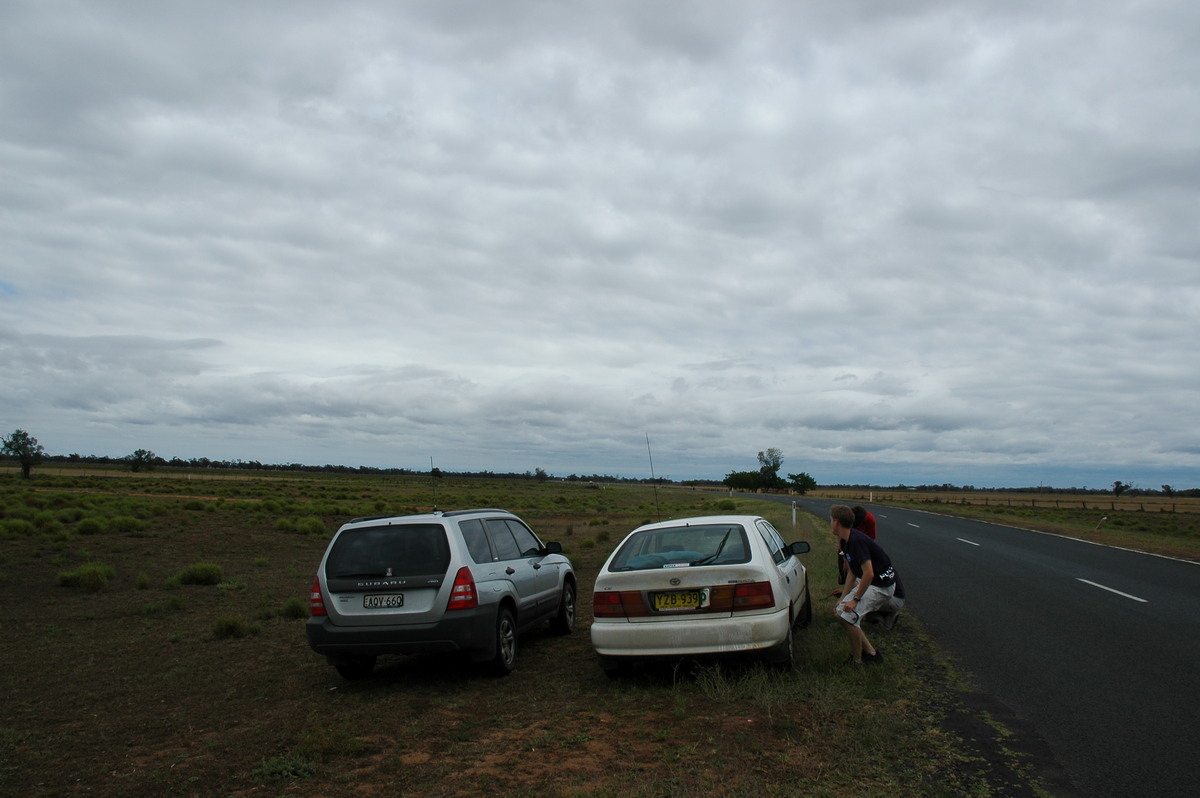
(717, 553)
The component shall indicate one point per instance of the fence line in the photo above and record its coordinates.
(1058, 502)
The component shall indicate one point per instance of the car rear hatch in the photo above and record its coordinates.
(387, 574)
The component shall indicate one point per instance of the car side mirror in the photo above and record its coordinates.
(799, 547)
(555, 547)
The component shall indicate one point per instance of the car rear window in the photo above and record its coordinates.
(397, 550)
(683, 546)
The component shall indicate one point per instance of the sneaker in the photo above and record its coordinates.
(873, 659)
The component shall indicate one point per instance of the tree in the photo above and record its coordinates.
(769, 463)
(1120, 487)
(770, 460)
(744, 480)
(25, 448)
(142, 459)
(802, 482)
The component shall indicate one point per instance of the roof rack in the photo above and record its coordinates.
(446, 513)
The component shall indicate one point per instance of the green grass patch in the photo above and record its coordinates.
(292, 610)
(90, 526)
(201, 573)
(234, 626)
(125, 525)
(311, 525)
(166, 605)
(91, 577)
(292, 766)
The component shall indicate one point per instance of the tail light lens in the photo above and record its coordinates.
(463, 595)
(316, 603)
(753, 596)
(607, 605)
(619, 604)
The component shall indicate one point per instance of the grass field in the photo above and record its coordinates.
(154, 644)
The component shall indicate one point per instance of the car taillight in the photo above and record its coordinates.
(316, 604)
(753, 596)
(607, 605)
(463, 595)
(619, 604)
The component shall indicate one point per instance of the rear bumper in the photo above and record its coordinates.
(462, 630)
(666, 638)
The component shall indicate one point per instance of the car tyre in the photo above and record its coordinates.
(354, 668)
(781, 654)
(614, 667)
(505, 659)
(564, 622)
(805, 617)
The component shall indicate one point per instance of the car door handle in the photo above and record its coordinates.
(537, 566)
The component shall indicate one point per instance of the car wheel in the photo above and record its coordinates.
(614, 667)
(781, 655)
(805, 617)
(356, 667)
(506, 643)
(564, 622)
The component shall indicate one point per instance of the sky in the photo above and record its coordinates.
(903, 243)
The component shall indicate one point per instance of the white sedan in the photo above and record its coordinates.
(724, 584)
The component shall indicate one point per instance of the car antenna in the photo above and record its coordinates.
(433, 478)
(653, 479)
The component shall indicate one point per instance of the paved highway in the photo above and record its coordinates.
(1097, 647)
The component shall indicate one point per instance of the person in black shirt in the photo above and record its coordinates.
(864, 522)
(873, 588)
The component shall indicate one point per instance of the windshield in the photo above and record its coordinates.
(683, 547)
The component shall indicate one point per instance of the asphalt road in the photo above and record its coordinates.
(1098, 648)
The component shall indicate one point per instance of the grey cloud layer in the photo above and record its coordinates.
(948, 238)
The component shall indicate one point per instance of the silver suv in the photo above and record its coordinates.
(465, 580)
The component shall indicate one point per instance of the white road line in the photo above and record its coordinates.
(914, 526)
(1110, 590)
(973, 543)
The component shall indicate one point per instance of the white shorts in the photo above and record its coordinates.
(876, 598)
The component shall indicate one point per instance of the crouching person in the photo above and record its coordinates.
(872, 589)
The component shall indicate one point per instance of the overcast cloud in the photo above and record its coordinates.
(902, 242)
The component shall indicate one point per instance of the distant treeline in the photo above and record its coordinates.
(1127, 491)
(204, 463)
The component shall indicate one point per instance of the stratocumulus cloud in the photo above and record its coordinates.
(940, 242)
